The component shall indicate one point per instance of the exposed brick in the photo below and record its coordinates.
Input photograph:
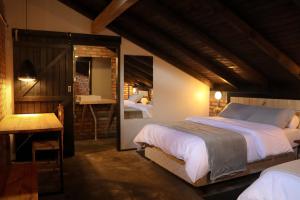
(214, 105)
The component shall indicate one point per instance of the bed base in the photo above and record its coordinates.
(176, 166)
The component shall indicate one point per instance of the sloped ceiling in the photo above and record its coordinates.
(236, 45)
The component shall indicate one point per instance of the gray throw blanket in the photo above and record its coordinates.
(292, 167)
(227, 150)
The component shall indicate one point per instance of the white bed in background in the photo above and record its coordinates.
(280, 182)
(146, 109)
(174, 149)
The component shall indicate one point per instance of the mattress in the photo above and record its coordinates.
(262, 141)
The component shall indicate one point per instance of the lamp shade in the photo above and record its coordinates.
(218, 95)
(27, 71)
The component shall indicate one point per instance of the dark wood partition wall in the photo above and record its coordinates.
(52, 56)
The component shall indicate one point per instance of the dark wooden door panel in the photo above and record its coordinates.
(52, 59)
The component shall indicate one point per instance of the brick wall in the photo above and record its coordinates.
(214, 109)
(84, 127)
(93, 51)
(114, 72)
(4, 140)
(81, 85)
(128, 90)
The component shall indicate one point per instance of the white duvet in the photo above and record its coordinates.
(262, 140)
(274, 185)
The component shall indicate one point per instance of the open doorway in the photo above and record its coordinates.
(95, 91)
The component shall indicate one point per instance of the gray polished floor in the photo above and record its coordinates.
(98, 171)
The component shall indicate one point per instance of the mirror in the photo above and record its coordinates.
(138, 86)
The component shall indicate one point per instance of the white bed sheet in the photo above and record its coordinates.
(274, 185)
(262, 140)
(146, 109)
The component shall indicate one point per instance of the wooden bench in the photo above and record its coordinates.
(21, 183)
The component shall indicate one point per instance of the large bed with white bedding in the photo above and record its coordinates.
(186, 155)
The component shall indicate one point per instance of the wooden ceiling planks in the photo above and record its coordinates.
(178, 49)
(203, 40)
(222, 55)
(262, 43)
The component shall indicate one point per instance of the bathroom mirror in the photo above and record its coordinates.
(138, 86)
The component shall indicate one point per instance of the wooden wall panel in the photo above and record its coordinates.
(52, 58)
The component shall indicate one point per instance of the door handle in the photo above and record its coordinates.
(69, 88)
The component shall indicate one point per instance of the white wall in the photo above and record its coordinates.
(101, 77)
(50, 15)
(176, 95)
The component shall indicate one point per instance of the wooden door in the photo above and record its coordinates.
(52, 58)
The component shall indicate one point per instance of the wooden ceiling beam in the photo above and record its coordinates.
(170, 15)
(125, 32)
(136, 21)
(255, 37)
(110, 13)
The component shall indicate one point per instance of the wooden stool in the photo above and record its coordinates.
(50, 145)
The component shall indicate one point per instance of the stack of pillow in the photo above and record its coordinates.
(279, 117)
(135, 98)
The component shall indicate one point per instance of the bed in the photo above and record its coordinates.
(281, 182)
(137, 110)
(186, 156)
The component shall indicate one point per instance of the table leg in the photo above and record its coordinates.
(61, 162)
(95, 120)
(82, 116)
(111, 116)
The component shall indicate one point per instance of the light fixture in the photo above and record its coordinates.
(134, 90)
(27, 72)
(218, 95)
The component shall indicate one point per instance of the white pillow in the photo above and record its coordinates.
(294, 123)
(135, 98)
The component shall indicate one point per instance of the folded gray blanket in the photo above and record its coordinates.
(227, 150)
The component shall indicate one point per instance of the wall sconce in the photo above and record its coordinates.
(218, 97)
(134, 90)
(27, 72)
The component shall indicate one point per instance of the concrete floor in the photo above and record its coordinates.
(98, 171)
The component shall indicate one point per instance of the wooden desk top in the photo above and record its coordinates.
(30, 123)
(102, 101)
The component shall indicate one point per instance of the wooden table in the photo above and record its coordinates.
(34, 124)
(90, 103)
